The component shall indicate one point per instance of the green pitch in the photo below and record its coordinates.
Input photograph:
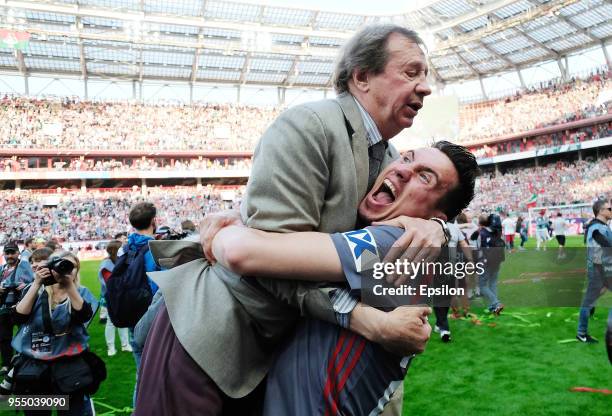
(514, 364)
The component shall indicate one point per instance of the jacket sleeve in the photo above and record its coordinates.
(81, 316)
(19, 318)
(286, 193)
(290, 173)
(601, 239)
(25, 273)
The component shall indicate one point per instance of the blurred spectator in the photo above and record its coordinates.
(188, 227)
(106, 269)
(28, 249)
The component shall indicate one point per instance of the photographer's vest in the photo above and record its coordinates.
(8, 274)
(597, 254)
(34, 340)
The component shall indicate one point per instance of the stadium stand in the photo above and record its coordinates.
(98, 215)
(563, 135)
(76, 216)
(29, 123)
(555, 103)
(17, 164)
(555, 184)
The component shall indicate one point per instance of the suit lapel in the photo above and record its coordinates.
(359, 141)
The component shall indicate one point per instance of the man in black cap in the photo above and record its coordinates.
(14, 276)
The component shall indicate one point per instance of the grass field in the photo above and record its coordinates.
(510, 365)
(514, 364)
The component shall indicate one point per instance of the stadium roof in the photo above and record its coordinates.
(228, 42)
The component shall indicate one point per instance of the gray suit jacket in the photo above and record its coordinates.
(310, 172)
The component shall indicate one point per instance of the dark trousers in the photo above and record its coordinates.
(6, 336)
(441, 313)
(170, 382)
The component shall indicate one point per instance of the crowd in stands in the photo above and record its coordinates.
(29, 123)
(556, 184)
(101, 215)
(565, 137)
(15, 164)
(557, 103)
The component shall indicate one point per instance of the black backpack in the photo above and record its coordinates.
(128, 294)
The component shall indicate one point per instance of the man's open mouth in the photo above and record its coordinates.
(386, 194)
(415, 107)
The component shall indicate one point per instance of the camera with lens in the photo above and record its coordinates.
(166, 233)
(10, 297)
(60, 266)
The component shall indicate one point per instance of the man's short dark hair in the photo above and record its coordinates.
(188, 225)
(28, 241)
(142, 215)
(367, 51)
(52, 245)
(119, 235)
(462, 218)
(598, 205)
(40, 254)
(458, 198)
(11, 247)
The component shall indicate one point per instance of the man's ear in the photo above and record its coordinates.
(361, 80)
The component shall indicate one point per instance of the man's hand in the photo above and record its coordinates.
(403, 331)
(211, 225)
(422, 240)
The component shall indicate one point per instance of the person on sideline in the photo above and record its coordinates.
(105, 271)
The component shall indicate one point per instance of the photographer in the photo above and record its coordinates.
(52, 341)
(14, 275)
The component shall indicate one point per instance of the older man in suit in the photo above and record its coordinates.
(311, 169)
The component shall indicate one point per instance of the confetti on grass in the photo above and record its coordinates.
(112, 410)
(590, 390)
(567, 341)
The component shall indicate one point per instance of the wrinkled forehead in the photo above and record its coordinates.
(397, 42)
(405, 50)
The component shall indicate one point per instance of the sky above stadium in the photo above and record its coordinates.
(383, 7)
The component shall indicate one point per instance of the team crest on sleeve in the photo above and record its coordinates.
(363, 248)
